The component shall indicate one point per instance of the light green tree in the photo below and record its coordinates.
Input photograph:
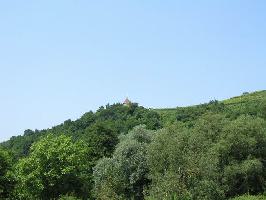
(56, 166)
(125, 175)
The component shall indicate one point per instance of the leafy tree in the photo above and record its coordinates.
(169, 169)
(214, 159)
(6, 183)
(125, 175)
(101, 137)
(55, 166)
(241, 154)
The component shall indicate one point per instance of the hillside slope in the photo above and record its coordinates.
(116, 119)
(107, 122)
(248, 103)
(215, 150)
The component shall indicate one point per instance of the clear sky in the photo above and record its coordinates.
(59, 59)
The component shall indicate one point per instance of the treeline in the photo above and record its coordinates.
(212, 151)
(103, 126)
(50, 163)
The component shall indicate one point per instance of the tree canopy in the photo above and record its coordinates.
(55, 166)
(212, 151)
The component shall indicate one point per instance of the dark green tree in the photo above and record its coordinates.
(6, 181)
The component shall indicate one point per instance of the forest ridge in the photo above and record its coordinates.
(215, 150)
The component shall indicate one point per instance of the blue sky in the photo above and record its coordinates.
(59, 59)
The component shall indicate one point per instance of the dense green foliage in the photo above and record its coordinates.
(216, 159)
(125, 175)
(212, 151)
(6, 183)
(248, 197)
(107, 123)
(55, 166)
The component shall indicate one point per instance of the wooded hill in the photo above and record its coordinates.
(215, 150)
